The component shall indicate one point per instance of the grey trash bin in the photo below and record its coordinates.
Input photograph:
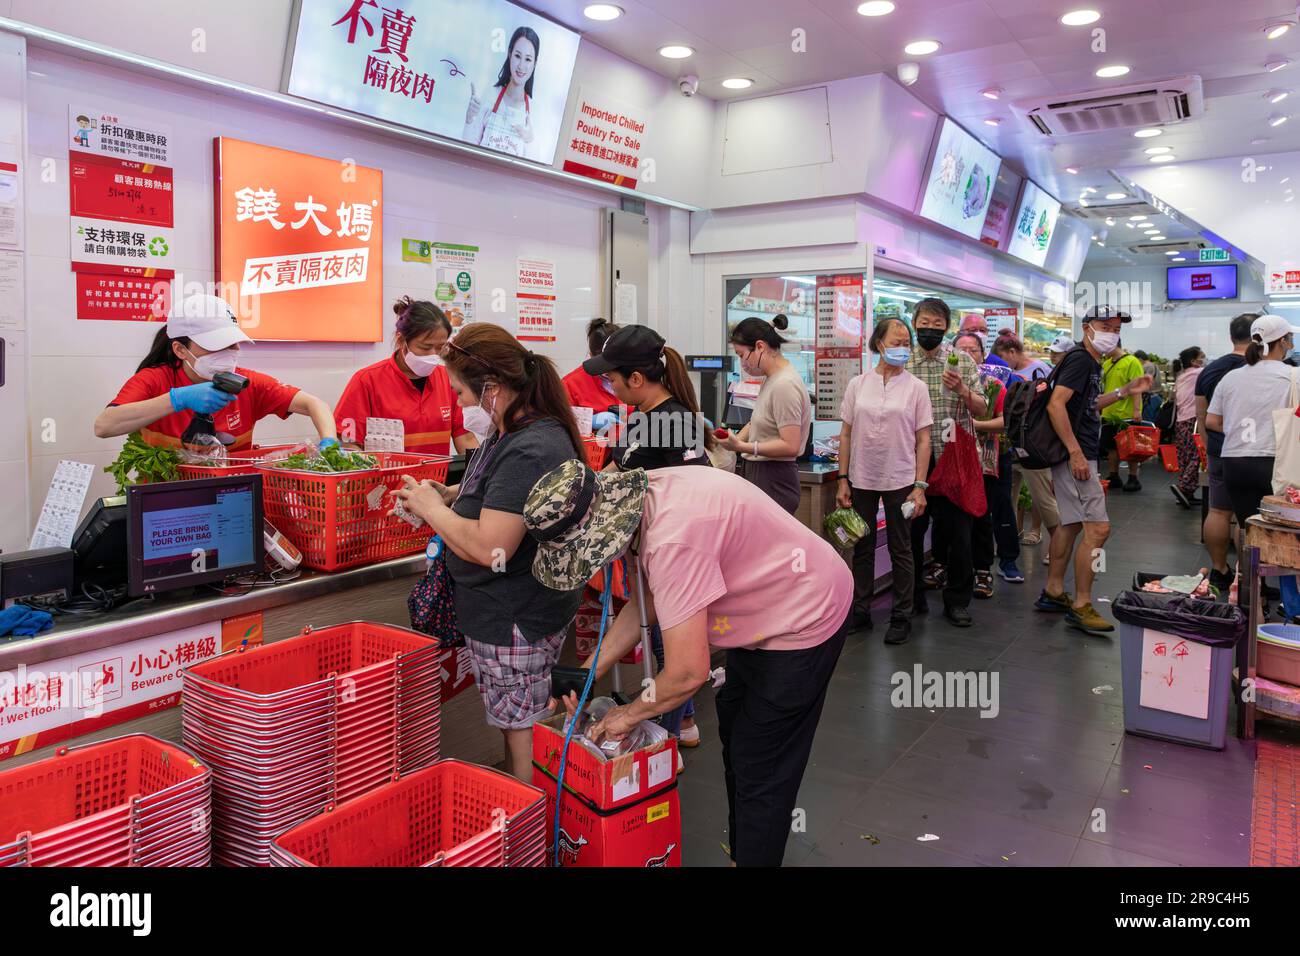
(1175, 624)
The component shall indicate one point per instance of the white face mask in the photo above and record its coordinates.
(752, 364)
(479, 420)
(1105, 342)
(421, 366)
(207, 366)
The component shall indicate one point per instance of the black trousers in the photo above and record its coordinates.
(899, 534)
(1247, 481)
(994, 532)
(778, 479)
(768, 711)
(953, 526)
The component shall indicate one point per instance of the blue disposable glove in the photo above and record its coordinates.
(328, 443)
(203, 398)
(602, 420)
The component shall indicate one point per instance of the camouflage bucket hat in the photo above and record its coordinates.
(581, 520)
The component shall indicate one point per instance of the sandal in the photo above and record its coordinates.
(1031, 537)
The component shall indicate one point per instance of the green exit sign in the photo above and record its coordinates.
(1214, 255)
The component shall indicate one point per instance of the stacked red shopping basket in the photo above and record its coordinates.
(293, 727)
(130, 801)
(450, 814)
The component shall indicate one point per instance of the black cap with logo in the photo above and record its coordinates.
(1103, 312)
(632, 346)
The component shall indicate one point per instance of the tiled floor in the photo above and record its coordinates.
(1052, 779)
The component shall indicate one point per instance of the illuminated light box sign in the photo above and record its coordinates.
(1034, 225)
(960, 183)
(299, 244)
(1201, 282)
(484, 72)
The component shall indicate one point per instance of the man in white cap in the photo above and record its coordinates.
(1059, 348)
(175, 382)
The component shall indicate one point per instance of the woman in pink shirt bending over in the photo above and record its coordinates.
(722, 566)
(884, 455)
(1186, 369)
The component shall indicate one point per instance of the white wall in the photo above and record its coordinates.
(77, 366)
(13, 395)
(1166, 328)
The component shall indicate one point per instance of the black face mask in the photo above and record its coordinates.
(929, 339)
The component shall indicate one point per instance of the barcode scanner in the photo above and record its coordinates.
(202, 430)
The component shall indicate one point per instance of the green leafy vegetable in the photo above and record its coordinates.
(330, 461)
(147, 462)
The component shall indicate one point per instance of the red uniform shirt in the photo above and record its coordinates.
(432, 416)
(588, 391)
(263, 396)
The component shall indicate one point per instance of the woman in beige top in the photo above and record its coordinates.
(778, 430)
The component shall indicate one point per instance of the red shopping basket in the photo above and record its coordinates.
(130, 801)
(597, 452)
(342, 520)
(450, 814)
(1169, 457)
(242, 464)
(1199, 441)
(1138, 442)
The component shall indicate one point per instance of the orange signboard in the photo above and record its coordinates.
(299, 244)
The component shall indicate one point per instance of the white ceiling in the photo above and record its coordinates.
(1018, 45)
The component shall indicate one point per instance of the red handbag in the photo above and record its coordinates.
(958, 475)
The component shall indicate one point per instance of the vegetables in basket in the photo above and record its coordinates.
(331, 460)
(147, 462)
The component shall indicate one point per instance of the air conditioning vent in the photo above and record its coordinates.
(1168, 246)
(1149, 104)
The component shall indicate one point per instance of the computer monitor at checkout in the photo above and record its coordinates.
(184, 533)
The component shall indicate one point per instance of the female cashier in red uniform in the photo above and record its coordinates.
(202, 338)
(594, 391)
(410, 385)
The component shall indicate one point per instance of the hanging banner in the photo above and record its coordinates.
(605, 139)
(839, 340)
(535, 300)
(107, 133)
(299, 243)
(453, 290)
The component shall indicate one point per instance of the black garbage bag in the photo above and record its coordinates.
(1206, 622)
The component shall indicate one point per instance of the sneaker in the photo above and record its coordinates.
(935, 577)
(1132, 484)
(899, 631)
(861, 622)
(1047, 558)
(959, 616)
(1054, 602)
(1009, 572)
(983, 585)
(1087, 619)
(1114, 480)
(689, 736)
(1221, 579)
(1183, 497)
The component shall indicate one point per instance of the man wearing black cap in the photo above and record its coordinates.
(1075, 413)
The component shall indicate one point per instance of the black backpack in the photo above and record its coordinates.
(1034, 441)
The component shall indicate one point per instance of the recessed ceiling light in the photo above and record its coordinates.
(992, 93)
(602, 11)
(1277, 119)
(1178, 259)
(1277, 96)
(1072, 170)
(737, 83)
(1275, 30)
(1168, 169)
(921, 47)
(1164, 158)
(992, 121)
(1107, 72)
(875, 8)
(1156, 238)
(1131, 225)
(1272, 66)
(1172, 253)
(1157, 150)
(1090, 189)
(1148, 132)
(1117, 195)
(675, 52)
(1136, 218)
(1080, 18)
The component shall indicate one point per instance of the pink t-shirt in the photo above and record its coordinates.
(885, 417)
(711, 539)
(1185, 395)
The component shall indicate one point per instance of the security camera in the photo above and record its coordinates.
(689, 85)
(908, 73)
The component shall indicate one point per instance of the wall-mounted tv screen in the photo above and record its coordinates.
(1033, 226)
(1201, 282)
(960, 181)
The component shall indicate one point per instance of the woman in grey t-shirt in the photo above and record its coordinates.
(778, 430)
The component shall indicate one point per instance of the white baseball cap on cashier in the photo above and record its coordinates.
(207, 321)
(1267, 329)
(1063, 343)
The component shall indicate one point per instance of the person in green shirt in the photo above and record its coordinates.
(1118, 370)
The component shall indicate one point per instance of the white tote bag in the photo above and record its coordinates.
(1286, 432)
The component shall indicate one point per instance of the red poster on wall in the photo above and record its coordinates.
(122, 298)
(120, 190)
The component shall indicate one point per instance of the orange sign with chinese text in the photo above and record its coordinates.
(299, 243)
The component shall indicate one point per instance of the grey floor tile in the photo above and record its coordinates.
(1157, 832)
(1099, 854)
(985, 753)
(848, 845)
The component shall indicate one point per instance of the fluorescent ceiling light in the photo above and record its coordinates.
(1107, 72)
(992, 93)
(875, 8)
(1171, 253)
(1090, 189)
(1117, 195)
(737, 83)
(1148, 132)
(1164, 158)
(1110, 221)
(1178, 259)
(1275, 30)
(992, 121)
(1080, 18)
(1136, 218)
(1272, 66)
(675, 52)
(1157, 238)
(1277, 96)
(1277, 119)
(602, 11)
(1072, 170)
(921, 47)
(1157, 150)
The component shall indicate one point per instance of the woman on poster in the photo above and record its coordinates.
(507, 126)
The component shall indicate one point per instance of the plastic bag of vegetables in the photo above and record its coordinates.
(332, 460)
(845, 527)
